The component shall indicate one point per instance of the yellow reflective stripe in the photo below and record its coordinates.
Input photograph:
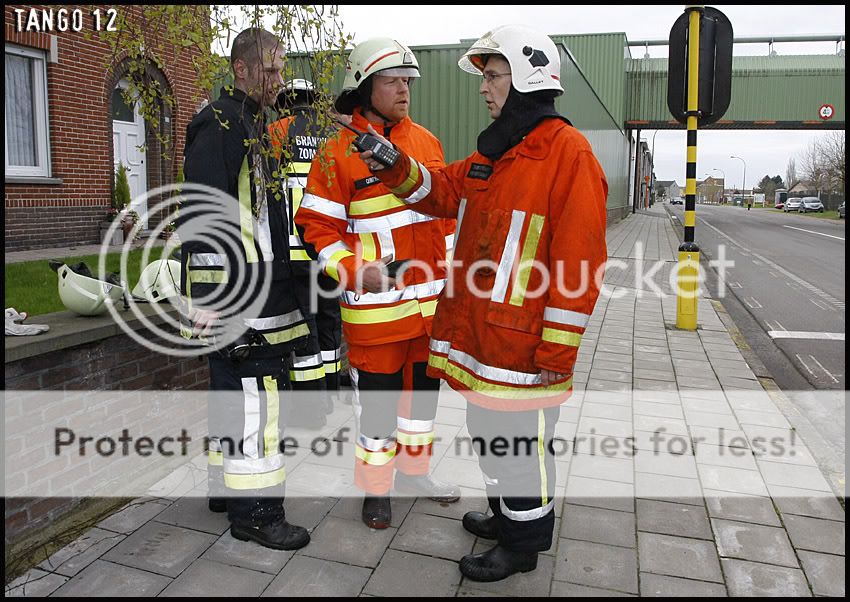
(299, 168)
(284, 336)
(307, 375)
(419, 439)
(382, 314)
(375, 204)
(370, 253)
(428, 308)
(690, 218)
(298, 255)
(297, 196)
(529, 251)
(374, 458)
(255, 481)
(541, 434)
(333, 261)
(494, 390)
(411, 180)
(333, 367)
(215, 458)
(246, 217)
(562, 337)
(207, 276)
(271, 434)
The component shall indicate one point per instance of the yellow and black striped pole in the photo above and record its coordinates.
(688, 269)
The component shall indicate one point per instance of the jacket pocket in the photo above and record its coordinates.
(526, 320)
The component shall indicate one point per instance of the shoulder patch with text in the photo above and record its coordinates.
(480, 171)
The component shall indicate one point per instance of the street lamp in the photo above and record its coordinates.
(722, 192)
(744, 186)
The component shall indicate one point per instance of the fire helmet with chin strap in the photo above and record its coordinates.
(83, 294)
(533, 57)
(383, 56)
(159, 280)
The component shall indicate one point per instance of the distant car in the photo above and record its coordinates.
(792, 204)
(810, 203)
(677, 201)
(841, 210)
(779, 205)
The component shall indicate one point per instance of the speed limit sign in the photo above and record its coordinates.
(826, 112)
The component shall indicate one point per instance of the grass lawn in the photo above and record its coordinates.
(824, 215)
(32, 286)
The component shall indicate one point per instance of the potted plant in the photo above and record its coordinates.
(120, 199)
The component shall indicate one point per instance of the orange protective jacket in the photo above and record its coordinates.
(350, 218)
(528, 261)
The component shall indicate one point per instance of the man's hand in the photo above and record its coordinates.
(549, 377)
(367, 156)
(372, 276)
(203, 321)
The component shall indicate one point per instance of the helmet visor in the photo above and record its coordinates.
(399, 72)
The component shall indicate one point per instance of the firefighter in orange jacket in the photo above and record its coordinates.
(357, 226)
(530, 248)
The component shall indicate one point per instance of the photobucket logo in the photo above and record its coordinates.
(211, 227)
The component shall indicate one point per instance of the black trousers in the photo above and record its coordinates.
(515, 454)
(248, 408)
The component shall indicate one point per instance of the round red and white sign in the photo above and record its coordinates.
(826, 112)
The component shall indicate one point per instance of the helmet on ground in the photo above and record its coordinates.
(533, 57)
(384, 56)
(159, 280)
(83, 294)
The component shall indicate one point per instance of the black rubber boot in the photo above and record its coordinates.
(426, 486)
(377, 513)
(480, 524)
(279, 535)
(217, 504)
(497, 563)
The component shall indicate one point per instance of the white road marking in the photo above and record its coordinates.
(809, 370)
(811, 287)
(803, 334)
(813, 232)
(735, 285)
(755, 304)
(774, 274)
(821, 305)
(828, 373)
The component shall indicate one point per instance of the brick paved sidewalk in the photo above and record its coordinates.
(725, 521)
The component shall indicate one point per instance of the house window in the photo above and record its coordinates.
(27, 141)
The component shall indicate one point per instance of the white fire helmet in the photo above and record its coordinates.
(376, 55)
(298, 85)
(86, 296)
(159, 280)
(533, 57)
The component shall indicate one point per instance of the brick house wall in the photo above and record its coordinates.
(67, 209)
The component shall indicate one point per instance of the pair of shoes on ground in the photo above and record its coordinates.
(498, 562)
(377, 511)
(279, 535)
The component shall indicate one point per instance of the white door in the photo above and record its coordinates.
(128, 138)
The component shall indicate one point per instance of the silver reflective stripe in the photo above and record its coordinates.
(296, 181)
(565, 316)
(255, 466)
(275, 321)
(526, 515)
(460, 211)
(387, 244)
(251, 430)
(295, 241)
(387, 222)
(324, 206)
(416, 291)
(328, 251)
(488, 480)
(198, 260)
(330, 356)
(440, 346)
(503, 274)
(450, 241)
(215, 445)
(375, 445)
(423, 190)
(491, 372)
(307, 361)
(264, 234)
(415, 426)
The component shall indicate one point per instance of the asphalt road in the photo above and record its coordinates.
(788, 273)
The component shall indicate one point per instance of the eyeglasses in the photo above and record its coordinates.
(491, 77)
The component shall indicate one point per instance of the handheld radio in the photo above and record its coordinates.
(383, 154)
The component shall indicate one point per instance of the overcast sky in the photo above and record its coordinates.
(765, 152)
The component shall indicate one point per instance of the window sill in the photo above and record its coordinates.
(33, 180)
